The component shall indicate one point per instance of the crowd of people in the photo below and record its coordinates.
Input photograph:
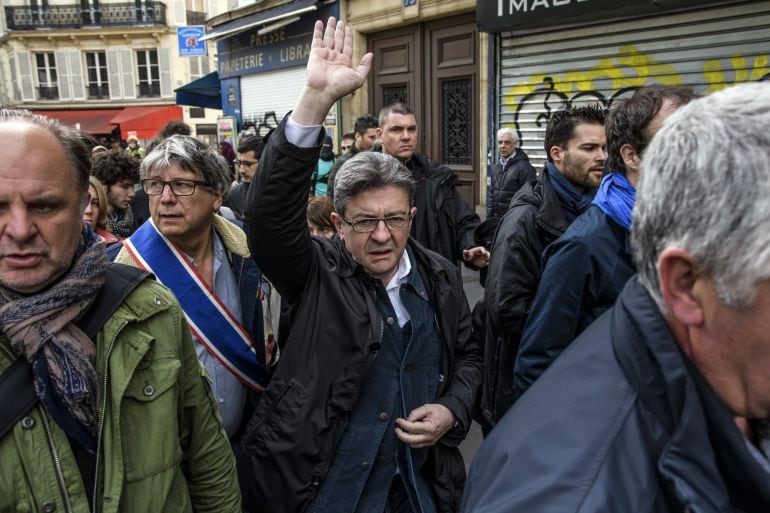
(299, 340)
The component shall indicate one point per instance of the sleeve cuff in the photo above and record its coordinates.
(301, 136)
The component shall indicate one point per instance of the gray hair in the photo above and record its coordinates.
(192, 155)
(510, 132)
(704, 187)
(370, 170)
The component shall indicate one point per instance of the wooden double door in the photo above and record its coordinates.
(434, 68)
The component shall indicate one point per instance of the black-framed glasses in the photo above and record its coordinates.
(369, 224)
(154, 187)
(246, 163)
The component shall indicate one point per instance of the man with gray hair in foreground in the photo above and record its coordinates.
(378, 376)
(663, 403)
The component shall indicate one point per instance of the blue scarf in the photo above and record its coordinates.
(573, 202)
(616, 198)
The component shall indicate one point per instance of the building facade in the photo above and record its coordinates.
(109, 67)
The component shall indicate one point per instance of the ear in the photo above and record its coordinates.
(631, 158)
(413, 211)
(379, 133)
(337, 220)
(679, 284)
(217, 201)
(556, 153)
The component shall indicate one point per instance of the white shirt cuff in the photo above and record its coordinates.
(300, 135)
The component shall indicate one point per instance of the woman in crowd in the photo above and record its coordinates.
(95, 213)
(319, 216)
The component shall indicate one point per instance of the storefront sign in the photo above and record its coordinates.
(249, 52)
(190, 44)
(504, 15)
(227, 130)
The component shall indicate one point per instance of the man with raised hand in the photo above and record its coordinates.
(376, 384)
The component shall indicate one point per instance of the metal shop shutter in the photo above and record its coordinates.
(708, 50)
(267, 97)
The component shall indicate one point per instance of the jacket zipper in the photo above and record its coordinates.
(56, 461)
(103, 412)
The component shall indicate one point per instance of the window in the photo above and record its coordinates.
(96, 69)
(47, 86)
(149, 72)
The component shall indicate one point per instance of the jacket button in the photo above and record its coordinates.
(149, 390)
(49, 507)
(158, 302)
(365, 465)
(315, 480)
(383, 416)
(27, 422)
(390, 321)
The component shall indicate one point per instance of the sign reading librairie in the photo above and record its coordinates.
(190, 44)
(504, 15)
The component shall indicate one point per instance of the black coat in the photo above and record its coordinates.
(506, 182)
(621, 422)
(534, 220)
(443, 223)
(335, 335)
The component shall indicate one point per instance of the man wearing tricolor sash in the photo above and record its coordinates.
(204, 260)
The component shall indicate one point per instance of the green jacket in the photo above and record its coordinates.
(162, 445)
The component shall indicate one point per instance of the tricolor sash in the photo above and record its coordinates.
(210, 320)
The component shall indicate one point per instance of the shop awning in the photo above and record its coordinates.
(146, 122)
(274, 15)
(91, 121)
(204, 92)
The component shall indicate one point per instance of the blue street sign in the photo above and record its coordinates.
(190, 44)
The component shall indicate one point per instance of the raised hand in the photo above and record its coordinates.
(330, 74)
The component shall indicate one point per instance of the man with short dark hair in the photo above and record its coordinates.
(539, 214)
(663, 404)
(365, 134)
(249, 152)
(587, 267)
(118, 172)
(376, 384)
(509, 174)
(110, 411)
(444, 223)
(347, 142)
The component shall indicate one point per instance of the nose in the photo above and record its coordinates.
(131, 193)
(166, 195)
(18, 225)
(381, 233)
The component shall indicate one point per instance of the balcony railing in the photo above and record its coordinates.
(47, 93)
(148, 89)
(76, 16)
(98, 91)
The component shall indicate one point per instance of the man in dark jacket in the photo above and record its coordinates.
(249, 152)
(663, 403)
(376, 383)
(587, 267)
(511, 172)
(444, 223)
(539, 214)
(365, 135)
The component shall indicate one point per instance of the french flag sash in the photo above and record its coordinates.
(209, 319)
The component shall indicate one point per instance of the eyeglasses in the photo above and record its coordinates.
(155, 187)
(369, 224)
(245, 163)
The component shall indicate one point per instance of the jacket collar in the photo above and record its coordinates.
(550, 215)
(705, 461)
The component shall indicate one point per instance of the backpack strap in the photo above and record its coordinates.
(17, 386)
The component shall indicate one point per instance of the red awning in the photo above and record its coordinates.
(96, 121)
(146, 122)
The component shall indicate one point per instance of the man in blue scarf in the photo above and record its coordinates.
(587, 267)
(539, 213)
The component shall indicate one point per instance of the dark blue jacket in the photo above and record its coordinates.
(506, 182)
(583, 273)
(621, 422)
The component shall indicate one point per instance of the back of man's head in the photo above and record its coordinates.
(704, 188)
(252, 143)
(71, 140)
(561, 126)
(628, 121)
(114, 166)
(173, 128)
